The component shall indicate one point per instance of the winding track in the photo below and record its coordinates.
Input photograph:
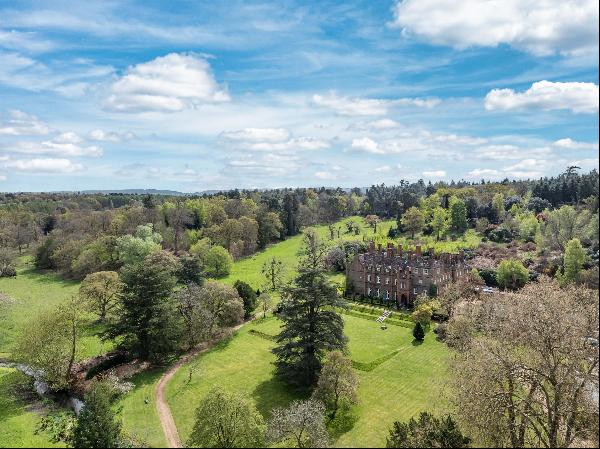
(162, 407)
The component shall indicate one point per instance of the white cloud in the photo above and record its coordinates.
(258, 135)
(483, 173)
(586, 164)
(366, 144)
(264, 166)
(504, 152)
(325, 175)
(570, 144)
(383, 169)
(56, 147)
(541, 27)
(68, 137)
(44, 165)
(271, 139)
(547, 95)
(100, 135)
(168, 83)
(525, 169)
(22, 124)
(384, 123)
(352, 106)
(434, 173)
(3, 178)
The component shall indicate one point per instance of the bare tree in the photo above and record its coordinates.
(528, 376)
(337, 383)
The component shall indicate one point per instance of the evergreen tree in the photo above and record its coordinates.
(573, 262)
(248, 295)
(458, 215)
(419, 332)
(97, 425)
(149, 321)
(311, 326)
(427, 431)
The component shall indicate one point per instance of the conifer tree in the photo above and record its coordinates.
(418, 332)
(311, 326)
(97, 425)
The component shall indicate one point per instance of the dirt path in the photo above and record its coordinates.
(164, 412)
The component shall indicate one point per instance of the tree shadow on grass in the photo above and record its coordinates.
(416, 342)
(343, 422)
(274, 393)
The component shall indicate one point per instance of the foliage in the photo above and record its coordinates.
(101, 292)
(311, 324)
(511, 274)
(191, 270)
(133, 249)
(264, 302)
(563, 225)
(217, 262)
(413, 220)
(149, 322)
(248, 296)
(337, 384)
(274, 271)
(427, 431)
(300, 425)
(226, 420)
(573, 262)
(97, 424)
(439, 222)
(458, 215)
(418, 332)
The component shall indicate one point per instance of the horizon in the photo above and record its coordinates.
(256, 95)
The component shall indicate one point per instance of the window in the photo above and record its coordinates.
(378, 267)
(387, 281)
(369, 291)
(369, 277)
(420, 281)
(378, 293)
(415, 291)
(416, 271)
(378, 280)
(395, 296)
(425, 271)
(438, 271)
(395, 281)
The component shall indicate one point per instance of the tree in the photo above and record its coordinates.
(563, 225)
(149, 321)
(300, 425)
(134, 248)
(337, 383)
(427, 431)
(274, 271)
(418, 332)
(101, 292)
(264, 301)
(196, 317)
(528, 374)
(97, 424)
(458, 214)
(50, 342)
(223, 305)
(217, 262)
(573, 262)
(422, 313)
(413, 221)
(372, 221)
(311, 325)
(439, 222)
(511, 274)
(248, 296)
(499, 206)
(226, 420)
(191, 270)
(269, 228)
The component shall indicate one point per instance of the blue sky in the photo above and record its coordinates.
(223, 94)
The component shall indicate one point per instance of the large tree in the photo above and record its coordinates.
(573, 262)
(226, 420)
(413, 220)
(311, 325)
(149, 322)
(512, 274)
(439, 222)
(527, 376)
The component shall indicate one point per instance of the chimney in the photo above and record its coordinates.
(462, 254)
(400, 249)
(390, 249)
(418, 250)
(371, 247)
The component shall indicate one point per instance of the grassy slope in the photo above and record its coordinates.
(32, 293)
(399, 388)
(17, 423)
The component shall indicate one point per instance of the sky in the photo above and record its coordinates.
(201, 95)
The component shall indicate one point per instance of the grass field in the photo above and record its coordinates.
(409, 382)
(249, 269)
(17, 419)
(32, 293)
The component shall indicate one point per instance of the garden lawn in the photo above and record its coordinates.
(31, 293)
(410, 382)
(17, 419)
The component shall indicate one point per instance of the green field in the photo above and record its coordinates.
(404, 385)
(32, 293)
(18, 418)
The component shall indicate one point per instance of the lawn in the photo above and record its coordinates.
(18, 418)
(402, 386)
(249, 268)
(32, 293)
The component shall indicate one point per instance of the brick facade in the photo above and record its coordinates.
(391, 274)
